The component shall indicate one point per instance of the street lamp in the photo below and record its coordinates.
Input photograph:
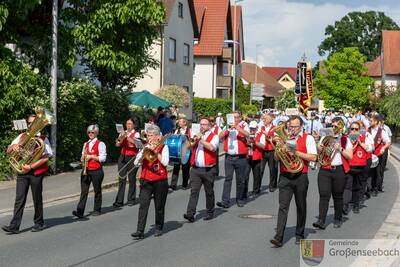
(234, 54)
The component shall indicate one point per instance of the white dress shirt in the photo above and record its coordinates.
(233, 145)
(164, 156)
(199, 157)
(385, 136)
(47, 147)
(102, 149)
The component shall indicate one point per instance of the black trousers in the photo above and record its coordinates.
(126, 163)
(95, 177)
(198, 177)
(159, 191)
(217, 165)
(385, 157)
(185, 174)
(290, 185)
(268, 157)
(237, 164)
(356, 175)
(255, 166)
(23, 183)
(377, 175)
(331, 182)
(366, 178)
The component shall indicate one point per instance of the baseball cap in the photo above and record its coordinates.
(253, 124)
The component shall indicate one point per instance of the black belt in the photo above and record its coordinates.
(206, 168)
(333, 168)
(357, 167)
(237, 156)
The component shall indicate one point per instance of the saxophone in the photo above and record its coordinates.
(293, 163)
(31, 147)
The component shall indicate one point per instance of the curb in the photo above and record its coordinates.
(104, 187)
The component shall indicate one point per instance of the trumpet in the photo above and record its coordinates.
(121, 136)
(151, 154)
(143, 135)
(85, 164)
(193, 140)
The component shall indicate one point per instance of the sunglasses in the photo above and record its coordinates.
(354, 129)
(91, 132)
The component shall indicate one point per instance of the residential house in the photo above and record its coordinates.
(213, 53)
(253, 74)
(388, 63)
(286, 76)
(174, 51)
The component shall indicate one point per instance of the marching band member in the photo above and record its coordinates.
(203, 160)
(381, 143)
(365, 179)
(93, 155)
(153, 182)
(295, 183)
(33, 177)
(268, 153)
(182, 130)
(126, 167)
(361, 147)
(331, 178)
(216, 130)
(235, 146)
(256, 145)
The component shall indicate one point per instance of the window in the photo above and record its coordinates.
(172, 49)
(285, 79)
(180, 10)
(186, 54)
(222, 93)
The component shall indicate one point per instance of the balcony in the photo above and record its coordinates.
(227, 53)
(224, 81)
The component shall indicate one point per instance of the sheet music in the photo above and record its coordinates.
(230, 120)
(20, 124)
(146, 126)
(119, 127)
(326, 132)
(195, 129)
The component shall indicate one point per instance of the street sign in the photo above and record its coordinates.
(257, 89)
(257, 98)
(292, 111)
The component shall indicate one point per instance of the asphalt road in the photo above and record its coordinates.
(227, 240)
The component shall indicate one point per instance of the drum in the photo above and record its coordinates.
(375, 161)
(178, 150)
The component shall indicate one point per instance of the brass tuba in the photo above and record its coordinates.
(293, 163)
(150, 154)
(31, 147)
(327, 151)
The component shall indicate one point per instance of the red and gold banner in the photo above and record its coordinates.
(307, 93)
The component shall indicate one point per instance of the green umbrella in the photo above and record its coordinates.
(146, 99)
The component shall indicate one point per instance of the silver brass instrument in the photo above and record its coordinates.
(31, 147)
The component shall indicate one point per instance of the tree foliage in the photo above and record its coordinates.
(287, 99)
(242, 93)
(389, 106)
(342, 80)
(206, 107)
(175, 95)
(357, 29)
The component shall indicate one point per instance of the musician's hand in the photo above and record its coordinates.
(15, 147)
(381, 151)
(277, 140)
(26, 168)
(337, 146)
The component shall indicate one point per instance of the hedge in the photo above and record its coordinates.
(206, 107)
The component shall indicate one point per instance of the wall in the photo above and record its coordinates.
(203, 83)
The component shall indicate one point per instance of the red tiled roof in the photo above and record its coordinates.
(212, 21)
(391, 52)
(272, 87)
(278, 72)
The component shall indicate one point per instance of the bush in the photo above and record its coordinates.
(175, 95)
(206, 107)
(249, 109)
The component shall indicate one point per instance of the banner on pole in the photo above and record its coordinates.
(304, 85)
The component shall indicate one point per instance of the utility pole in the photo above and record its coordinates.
(53, 92)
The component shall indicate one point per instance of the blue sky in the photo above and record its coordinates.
(283, 30)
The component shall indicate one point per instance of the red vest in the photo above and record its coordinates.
(148, 173)
(257, 152)
(302, 147)
(210, 157)
(127, 148)
(377, 141)
(45, 166)
(93, 164)
(216, 128)
(359, 155)
(345, 162)
(268, 145)
(242, 142)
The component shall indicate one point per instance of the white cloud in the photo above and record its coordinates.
(288, 29)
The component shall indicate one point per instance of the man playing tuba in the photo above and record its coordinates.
(32, 175)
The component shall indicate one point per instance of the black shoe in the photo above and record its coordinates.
(222, 205)
(298, 240)
(158, 233)
(381, 190)
(95, 213)
(131, 203)
(346, 209)
(188, 218)
(38, 228)
(240, 204)
(137, 235)
(173, 187)
(117, 205)
(337, 224)
(185, 187)
(374, 193)
(256, 193)
(276, 242)
(76, 214)
(272, 189)
(9, 229)
(319, 224)
(367, 195)
(209, 216)
(356, 209)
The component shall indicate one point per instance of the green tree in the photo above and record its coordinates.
(175, 95)
(342, 80)
(242, 93)
(114, 37)
(389, 105)
(357, 29)
(287, 99)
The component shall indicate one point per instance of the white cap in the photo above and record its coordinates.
(253, 124)
(219, 114)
